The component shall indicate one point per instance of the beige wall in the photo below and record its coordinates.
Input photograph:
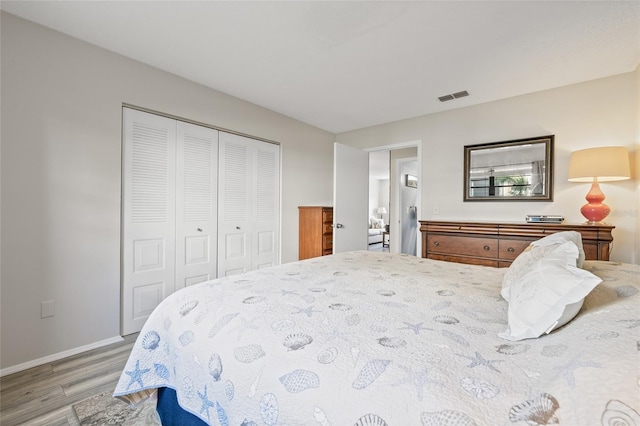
(595, 113)
(60, 194)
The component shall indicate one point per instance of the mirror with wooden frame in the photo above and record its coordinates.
(517, 170)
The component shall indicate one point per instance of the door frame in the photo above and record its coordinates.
(394, 200)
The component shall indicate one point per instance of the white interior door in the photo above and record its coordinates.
(148, 225)
(350, 198)
(196, 204)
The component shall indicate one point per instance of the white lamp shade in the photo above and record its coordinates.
(607, 163)
(382, 210)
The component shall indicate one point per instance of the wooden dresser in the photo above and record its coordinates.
(315, 231)
(498, 244)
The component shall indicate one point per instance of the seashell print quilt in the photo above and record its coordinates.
(370, 338)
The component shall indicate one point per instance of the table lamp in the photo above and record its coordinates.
(605, 164)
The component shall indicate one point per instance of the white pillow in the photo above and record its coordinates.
(377, 223)
(562, 237)
(536, 251)
(549, 293)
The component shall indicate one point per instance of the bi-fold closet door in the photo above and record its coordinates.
(178, 227)
(169, 226)
(248, 204)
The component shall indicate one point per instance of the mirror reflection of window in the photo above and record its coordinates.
(506, 170)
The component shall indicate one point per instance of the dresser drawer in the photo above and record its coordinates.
(510, 249)
(327, 216)
(467, 260)
(464, 246)
(326, 228)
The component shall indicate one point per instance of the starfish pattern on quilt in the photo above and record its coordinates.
(416, 328)
(478, 359)
(308, 311)
(567, 369)
(418, 379)
(136, 375)
(206, 402)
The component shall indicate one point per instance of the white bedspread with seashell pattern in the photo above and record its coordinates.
(371, 338)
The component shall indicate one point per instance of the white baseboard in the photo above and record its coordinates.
(59, 356)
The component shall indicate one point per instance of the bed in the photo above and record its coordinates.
(371, 338)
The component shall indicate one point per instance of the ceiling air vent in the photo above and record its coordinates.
(446, 98)
(453, 96)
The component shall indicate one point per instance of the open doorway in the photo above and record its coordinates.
(407, 184)
(379, 193)
(393, 204)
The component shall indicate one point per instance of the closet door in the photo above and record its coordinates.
(196, 200)
(234, 237)
(265, 209)
(249, 204)
(148, 215)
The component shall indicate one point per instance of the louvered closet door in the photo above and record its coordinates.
(148, 241)
(234, 202)
(196, 200)
(248, 203)
(265, 210)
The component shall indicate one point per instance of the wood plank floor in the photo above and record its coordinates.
(44, 395)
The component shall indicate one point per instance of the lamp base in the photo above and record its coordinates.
(595, 210)
(590, 223)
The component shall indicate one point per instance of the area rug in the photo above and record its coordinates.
(104, 409)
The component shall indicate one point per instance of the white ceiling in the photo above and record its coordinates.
(342, 66)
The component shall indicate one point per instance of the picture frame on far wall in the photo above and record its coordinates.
(411, 181)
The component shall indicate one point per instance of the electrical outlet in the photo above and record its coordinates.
(47, 309)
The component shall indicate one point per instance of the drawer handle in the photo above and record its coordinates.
(511, 250)
(486, 248)
(436, 243)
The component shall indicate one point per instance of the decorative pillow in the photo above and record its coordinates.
(377, 223)
(536, 251)
(562, 237)
(548, 294)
